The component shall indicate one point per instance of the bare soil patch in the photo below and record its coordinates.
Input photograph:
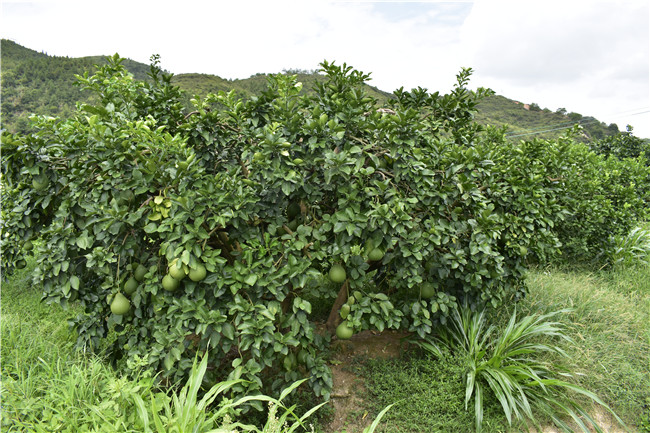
(348, 391)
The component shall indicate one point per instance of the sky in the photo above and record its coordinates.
(590, 57)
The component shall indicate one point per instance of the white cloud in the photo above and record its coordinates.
(589, 57)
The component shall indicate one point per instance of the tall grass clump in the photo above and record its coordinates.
(184, 412)
(507, 364)
(610, 323)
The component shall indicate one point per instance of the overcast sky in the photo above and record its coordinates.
(591, 57)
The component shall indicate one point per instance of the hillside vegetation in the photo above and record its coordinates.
(34, 82)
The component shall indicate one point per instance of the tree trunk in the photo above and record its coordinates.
(334, 319)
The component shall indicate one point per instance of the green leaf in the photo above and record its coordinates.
(250, 279)
(168, 362)
(228, 331)
(185, 257)
(83, 241)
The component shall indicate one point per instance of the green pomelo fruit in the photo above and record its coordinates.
(345, 310)
(427, 290)
(343, 331)
(120, 304)
(40, 182)
(375, 255)
(140, 272)
(258, 156)
(337, 274)
(20, 264)
(130, 286)
(27, 246)
(197, 274)
(176, 271)
(169, 283)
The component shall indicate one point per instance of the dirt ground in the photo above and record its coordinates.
(349, 392)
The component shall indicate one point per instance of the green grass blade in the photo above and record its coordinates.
(290, 388)
(371, 428)
(478, 407)
(470, 385)
(215, 391)
(156, 418)
(307, 414)
(142, 411)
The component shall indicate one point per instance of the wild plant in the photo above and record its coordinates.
(507, 364)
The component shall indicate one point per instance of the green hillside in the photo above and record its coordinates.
(33, 82)
(522, 119)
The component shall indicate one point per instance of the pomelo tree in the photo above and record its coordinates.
(210, 230)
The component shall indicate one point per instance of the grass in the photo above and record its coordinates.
(610, 323)
(632, 249)
(509, 364)
(46, 385)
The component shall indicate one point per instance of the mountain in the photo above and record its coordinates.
(33, 82)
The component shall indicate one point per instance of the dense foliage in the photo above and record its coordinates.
(598, 197)
(206, 232)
